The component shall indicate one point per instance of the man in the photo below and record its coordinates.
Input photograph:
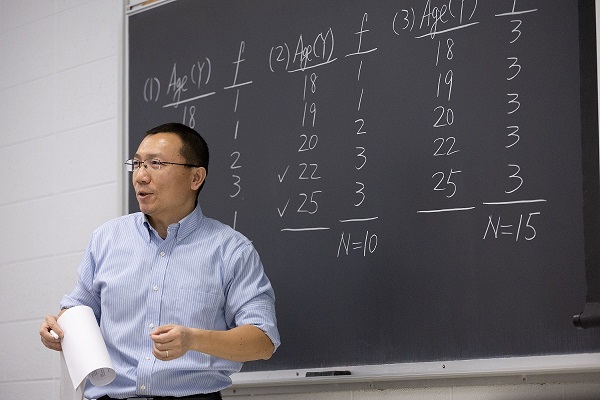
(182, 299)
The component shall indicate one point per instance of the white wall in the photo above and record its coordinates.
(61, 151)
(60, 177)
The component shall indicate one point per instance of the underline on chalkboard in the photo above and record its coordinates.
(312, 66)
(316, 228)
(188, 100)
(446, 210)
(508, 14)
(360, 53)
(358, 219)
(514, 202)
(237, 85)
(432, 34)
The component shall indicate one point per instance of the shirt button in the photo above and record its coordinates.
(151, 326)
(155, 288)
(143, 387)
(162, 253)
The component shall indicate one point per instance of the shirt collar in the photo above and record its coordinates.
(182, 228)
(190, 223)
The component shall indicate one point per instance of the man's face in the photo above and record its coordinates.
(165, 195)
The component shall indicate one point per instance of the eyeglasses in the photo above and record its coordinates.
(134, 165)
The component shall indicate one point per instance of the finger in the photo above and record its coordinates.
(163, 355)
(52, 345)
(57, 330)
(48, 334)
(51, 333)
(159, 347)
(50, 342)
(161, 330)
(161, 334)
(52, 324)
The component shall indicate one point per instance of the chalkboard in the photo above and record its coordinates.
(409, 171)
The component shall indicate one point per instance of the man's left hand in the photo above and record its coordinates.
(170, 341)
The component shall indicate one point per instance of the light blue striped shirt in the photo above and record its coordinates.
(203, 275)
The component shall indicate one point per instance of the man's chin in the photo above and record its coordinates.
(145, 208)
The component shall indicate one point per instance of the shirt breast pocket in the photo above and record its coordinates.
(197, 309)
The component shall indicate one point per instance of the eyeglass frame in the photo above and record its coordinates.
(155, 164)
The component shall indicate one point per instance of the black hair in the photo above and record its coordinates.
(194, 148)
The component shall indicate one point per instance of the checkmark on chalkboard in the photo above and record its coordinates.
(283, 176)
(284, 208)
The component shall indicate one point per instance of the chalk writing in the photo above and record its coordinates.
(307, 54)
(365, 245)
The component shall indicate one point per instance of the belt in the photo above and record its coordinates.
(201, 396)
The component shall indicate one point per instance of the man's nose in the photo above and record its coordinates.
(142, 174)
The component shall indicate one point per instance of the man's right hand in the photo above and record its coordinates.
(48, 340)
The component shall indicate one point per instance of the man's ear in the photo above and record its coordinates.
(198, 178)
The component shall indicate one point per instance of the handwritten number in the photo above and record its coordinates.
(313, 84)
(312, 175)
(514, 101)
(234, 164)
(360, 130)
(190, 119)
(151, 86)
(449, 52)
(237, 185)
(514, 134)
(405, 19)
(448, 81)
(451, 141)
(516, 29)
(448, 113)
(283, 54)
(443, 186)
(312, 201)
(515, 176)
(313, 111)
(450, 44)
(237, 179)
(361, 154)
(528, 225)
(361, 193)
(309, 143)
(514, 65)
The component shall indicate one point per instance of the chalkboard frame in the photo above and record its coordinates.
(514, 367)
(578, 368)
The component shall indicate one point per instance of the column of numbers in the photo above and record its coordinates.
(236, 157)
(364, 241)
(520, 225)
(309, 139)
(445, 144)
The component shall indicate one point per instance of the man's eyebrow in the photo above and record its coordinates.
(148, 157)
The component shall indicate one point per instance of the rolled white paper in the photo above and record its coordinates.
(66, 387)
(84, 350)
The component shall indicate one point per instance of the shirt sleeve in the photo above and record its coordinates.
(250, 299)
(83, 292)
